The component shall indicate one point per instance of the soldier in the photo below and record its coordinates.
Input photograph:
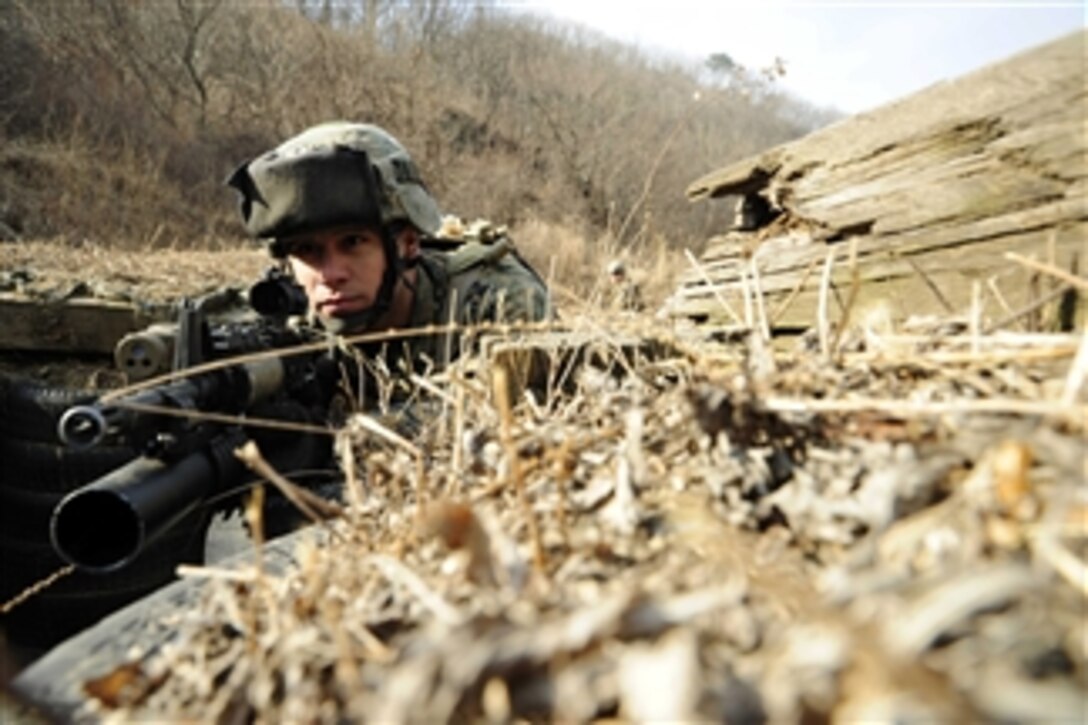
(344, 206)
(625, 293)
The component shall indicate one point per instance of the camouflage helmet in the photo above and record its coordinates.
(333, 174)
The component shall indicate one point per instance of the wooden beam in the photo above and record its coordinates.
(68, 326)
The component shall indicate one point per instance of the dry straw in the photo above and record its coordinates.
(840, 535)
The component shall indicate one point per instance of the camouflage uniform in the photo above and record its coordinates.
(625, 295)
(477, 282)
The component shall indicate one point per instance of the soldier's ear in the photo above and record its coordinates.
(408, 243)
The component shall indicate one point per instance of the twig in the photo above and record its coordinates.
(929, 283)
(562, 470)
(191, 571)
(36, 587)
(1068, 565)
(369, 424)
(855, 288)
(1050, 269)
(347, 465)
(712, 287)
(421, 382)
(761, 309)
(313, 506)
(746, 293)
(906, 408)
(113, 396)
(781, 309)
(254, 518)
(1034, 322)
(654, 167)
(1027, 309)
(991, 282)
(457, 462)
(1067, 308)
(1078, 371)
(946, 605)
(376, 649)
(447, 348)
(999, 340)
(967, 357)
(421, 489)
(398, 573)
(506, 421)
(548, 311)
(269, 423)
(976, 315)
(823, 325)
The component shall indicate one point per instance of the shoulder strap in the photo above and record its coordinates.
(474, 254)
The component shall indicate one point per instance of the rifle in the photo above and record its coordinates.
(185, 459)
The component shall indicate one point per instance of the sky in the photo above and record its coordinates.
(851, 55)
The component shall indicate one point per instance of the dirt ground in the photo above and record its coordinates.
(51, 270)
(152, 281)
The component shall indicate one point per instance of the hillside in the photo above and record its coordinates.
(121, 123)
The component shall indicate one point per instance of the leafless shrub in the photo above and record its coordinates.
(512, 117)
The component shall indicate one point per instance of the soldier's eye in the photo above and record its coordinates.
(352, 242)
(306, 250)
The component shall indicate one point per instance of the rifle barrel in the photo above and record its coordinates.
(104, 525)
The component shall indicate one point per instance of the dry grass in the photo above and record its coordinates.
(576, 264)
(891, 531)
(58, 269)
(102, 196)
(886, 522)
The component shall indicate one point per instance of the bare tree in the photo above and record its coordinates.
(510, 115)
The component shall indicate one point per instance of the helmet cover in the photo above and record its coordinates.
(335, 174)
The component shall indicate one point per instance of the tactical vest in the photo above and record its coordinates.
(478, 281)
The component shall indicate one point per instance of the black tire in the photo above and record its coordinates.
(42, 467)
(25, 513)
(55, 681)
(30, 410)
(80, 599)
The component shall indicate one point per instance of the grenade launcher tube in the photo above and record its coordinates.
(104, 525)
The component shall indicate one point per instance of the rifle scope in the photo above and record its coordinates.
(278, 295)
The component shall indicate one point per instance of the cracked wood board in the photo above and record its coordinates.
(933, 190)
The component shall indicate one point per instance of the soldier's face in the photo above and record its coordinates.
(340, 269)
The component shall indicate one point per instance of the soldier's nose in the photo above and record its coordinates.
(334, 267)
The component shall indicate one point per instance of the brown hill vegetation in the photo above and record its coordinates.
(121, 120)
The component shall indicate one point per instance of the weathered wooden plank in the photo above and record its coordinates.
(1032, 85)
(978, 259)
(69, 326)
(794, 252)
(892, 277)
(947, 180)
